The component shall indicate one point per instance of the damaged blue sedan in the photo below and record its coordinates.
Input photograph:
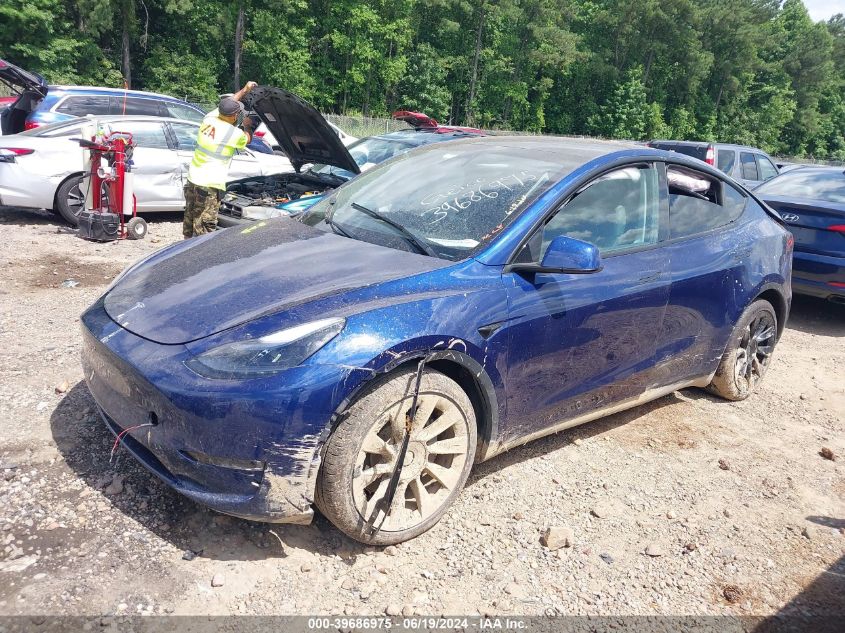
(443, 307)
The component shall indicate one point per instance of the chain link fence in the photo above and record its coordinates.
(362, 126)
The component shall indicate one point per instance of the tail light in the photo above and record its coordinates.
(710, 157)
(259, 134)
(9, 154)
(31, 125)
(839, 228)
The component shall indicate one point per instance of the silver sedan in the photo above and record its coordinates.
(43, 168)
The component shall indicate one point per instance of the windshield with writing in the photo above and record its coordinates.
(448, 199)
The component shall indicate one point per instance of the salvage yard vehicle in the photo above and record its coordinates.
(444, 306)
(811, 200)
(40, 104)
(44, 168)
(747, 165)
(322, 162)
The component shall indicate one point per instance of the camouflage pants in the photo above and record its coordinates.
(201, 205)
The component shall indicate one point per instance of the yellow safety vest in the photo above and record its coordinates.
(217, 143)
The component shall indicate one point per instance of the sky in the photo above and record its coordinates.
(823, 9)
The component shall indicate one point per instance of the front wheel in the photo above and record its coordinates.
(361, 455)
(748, 354)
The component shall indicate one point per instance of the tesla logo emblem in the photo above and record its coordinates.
(789, 217)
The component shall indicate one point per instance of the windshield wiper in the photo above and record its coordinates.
(410, 238)
(328, 219)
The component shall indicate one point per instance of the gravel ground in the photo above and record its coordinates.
(688, 505)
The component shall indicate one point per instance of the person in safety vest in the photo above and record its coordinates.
(217, 142)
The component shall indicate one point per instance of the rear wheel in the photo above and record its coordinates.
(362, 452)
(748, 354)
(70, 200)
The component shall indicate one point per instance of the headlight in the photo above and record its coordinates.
(268, 354)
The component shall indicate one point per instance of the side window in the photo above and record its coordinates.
(186, 135)
(148, 134)
(179, 111)
(767, 169)
(84, 104)
(726, 159)
(749, 166)
(617, 211)
(699, 203)
(138, 106)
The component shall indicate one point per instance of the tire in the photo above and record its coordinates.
(754, 337)
(69, 200)
(136, 228)
(354, 475)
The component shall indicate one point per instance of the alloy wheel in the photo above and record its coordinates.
(437, 453)
(755, 351)
(76, 199)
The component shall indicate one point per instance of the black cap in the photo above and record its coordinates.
(229, 106)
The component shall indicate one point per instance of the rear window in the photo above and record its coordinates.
(699, 202)
(84, 104)
(813, 184)
(696, 151)
(62, 128)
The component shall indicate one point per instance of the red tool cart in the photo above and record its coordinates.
(110, 210)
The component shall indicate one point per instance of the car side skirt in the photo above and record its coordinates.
(646, 396)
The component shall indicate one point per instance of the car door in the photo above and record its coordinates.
(155, 166)
(706, 249)
(184, 135)
(580, 343)
(244, 162)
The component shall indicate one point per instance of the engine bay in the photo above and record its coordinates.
(263, 197)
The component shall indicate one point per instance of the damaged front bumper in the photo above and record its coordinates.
(248, 452)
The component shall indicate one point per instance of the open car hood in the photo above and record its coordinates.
(301, 131)
(21, 80)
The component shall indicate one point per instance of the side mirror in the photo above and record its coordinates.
(565, 255)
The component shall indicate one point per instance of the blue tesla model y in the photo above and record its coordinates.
(443, 307)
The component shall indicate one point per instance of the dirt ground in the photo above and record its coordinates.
(689, 505)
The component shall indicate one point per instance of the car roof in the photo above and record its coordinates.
(589, 148)
(117, 91)
(706, 144)
(416, 137)
(106, 118)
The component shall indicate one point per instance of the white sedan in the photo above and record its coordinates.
(43, 168)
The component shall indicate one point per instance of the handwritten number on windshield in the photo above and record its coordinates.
(473, 192)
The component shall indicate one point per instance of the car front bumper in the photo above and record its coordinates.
(818, 275)
(251, 452)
